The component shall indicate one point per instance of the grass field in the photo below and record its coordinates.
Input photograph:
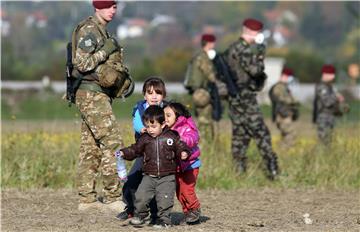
(41, 136)
(39, 154)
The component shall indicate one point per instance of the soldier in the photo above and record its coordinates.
(284, 108)
(245, 59)
(199, 75)
(100, 134)
(326, 104)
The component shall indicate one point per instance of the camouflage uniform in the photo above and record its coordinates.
(100, 133)
(326, 106)
(284, 111)
(201, 96)
(245, 62)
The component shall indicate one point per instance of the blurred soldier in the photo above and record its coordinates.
(245, 59)
(327, 104)
(200, 73)
(284, 107)
(100, 134)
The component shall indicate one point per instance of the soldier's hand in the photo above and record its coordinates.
(110, 46)
(340, 98)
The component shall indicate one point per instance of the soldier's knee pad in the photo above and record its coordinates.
(201, 98)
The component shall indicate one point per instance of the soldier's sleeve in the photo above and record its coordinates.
(326, 97)
(87, 56)
(250, 61)
(283, 95)
(207, 68)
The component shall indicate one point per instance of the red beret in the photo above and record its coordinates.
(208, 38)
(103, 4)
(328, 68)
(287, 71)
(253, 24)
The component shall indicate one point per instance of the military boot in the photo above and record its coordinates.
(272, 167)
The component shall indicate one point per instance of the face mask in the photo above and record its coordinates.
(211, 54)
(259, 38)
(291, 80)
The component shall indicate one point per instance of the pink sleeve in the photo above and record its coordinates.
(191, 138)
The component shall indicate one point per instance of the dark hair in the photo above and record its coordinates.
(154, 113)
(179, 109)
(156, 83)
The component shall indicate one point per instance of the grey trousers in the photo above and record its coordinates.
(163, 189)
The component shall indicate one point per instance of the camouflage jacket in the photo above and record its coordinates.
(90, 36)
(245, 61)
(206, 68)
(326, 100)
(282, 95)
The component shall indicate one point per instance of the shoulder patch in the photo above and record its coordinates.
(88, 43)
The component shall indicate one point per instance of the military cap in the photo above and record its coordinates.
(103, 4)
(287, 71)
(253, 24)
(328, 68)
(208, 38)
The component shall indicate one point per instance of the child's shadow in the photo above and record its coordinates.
(177, 217)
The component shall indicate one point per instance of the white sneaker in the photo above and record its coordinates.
(88, 206)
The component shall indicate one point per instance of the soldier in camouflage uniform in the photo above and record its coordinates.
(285, 108)
(246, 63)
(204, 72)
(326, 104)
(100, 133)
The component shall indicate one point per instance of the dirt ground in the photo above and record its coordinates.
(237, 210)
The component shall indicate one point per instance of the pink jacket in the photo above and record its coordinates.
(189, 134)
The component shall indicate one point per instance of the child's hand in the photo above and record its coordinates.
(184, 155)
(143, 130)
(119, 153)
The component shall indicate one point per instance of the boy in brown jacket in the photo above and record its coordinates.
(160, 148)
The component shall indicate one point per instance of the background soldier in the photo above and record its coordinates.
(327, 104)
(246, 62)
(284, 107)
(200, 72)
(100, 134)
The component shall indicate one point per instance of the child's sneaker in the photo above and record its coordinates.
(137, 221)
(193, 216)
(161, 225)
(124, 215)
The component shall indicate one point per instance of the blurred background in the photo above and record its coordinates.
(160, 38)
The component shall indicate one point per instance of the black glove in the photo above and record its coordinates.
(110, 46)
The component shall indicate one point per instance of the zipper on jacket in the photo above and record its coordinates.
(157, 154)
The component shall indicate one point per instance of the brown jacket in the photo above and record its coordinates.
(160, 154)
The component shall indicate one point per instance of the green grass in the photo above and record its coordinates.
(36, 158)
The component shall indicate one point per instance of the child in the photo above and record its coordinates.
(154, 92)
(160, 148)
(178, 118)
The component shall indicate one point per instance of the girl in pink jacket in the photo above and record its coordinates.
(178, 118)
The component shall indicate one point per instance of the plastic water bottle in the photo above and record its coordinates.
(121, 167)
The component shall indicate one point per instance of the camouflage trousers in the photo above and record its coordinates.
(286, 127)
(325, 125)
(205, 122)
(100, 138)
(247, 123)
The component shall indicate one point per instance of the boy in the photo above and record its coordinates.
(160, 148)
(154, 92)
